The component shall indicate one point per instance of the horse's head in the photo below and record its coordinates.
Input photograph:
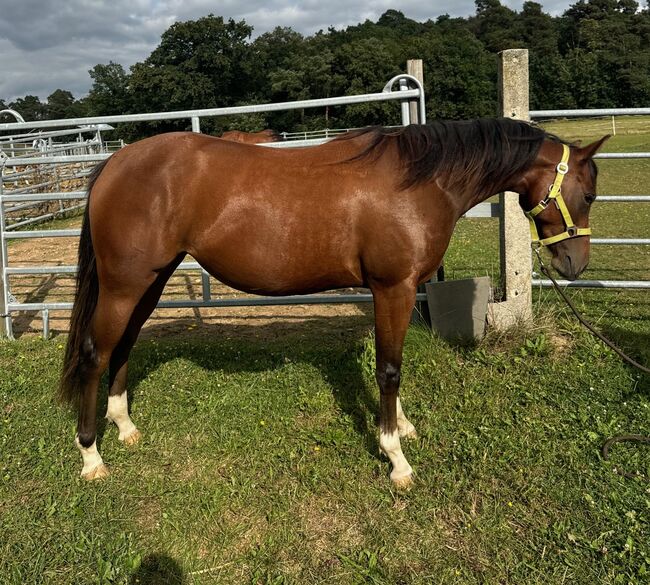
(557, 196)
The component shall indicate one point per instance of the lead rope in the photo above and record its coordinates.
(621, 354)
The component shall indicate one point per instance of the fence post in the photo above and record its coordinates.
(514, 233)
(415, 68)
(3, 306)
(4, 330)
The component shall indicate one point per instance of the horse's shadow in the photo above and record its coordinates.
(636, 344)
(158, 569)
(256, 348)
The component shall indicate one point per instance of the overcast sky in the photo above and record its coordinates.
(49, 44)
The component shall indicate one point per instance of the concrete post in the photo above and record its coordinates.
(516, 305)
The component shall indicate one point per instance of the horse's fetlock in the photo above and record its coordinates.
(86, 438)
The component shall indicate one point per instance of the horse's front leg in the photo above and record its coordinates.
(393, 307)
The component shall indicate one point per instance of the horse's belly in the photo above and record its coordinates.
(277, 275)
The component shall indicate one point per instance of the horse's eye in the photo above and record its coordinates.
(590, 198)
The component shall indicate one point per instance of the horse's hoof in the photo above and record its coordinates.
(403, 483)
(132, 438)
(98, 472)
(409, 434)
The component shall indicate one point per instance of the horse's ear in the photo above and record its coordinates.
(588, 151)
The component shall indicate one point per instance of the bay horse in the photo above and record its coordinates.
(251, 137)
(375, 208)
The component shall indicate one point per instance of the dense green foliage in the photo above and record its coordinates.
(597, 54)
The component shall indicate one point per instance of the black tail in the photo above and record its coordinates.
(80, 342)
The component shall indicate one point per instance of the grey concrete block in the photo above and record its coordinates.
(458, 308)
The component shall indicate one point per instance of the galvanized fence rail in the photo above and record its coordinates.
(29, 178)
(592, 113)
(15, 168)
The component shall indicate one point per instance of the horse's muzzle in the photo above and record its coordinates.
(567, 268)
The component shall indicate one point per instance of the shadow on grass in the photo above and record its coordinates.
(158, 569)
(636, 344)
(330, 344)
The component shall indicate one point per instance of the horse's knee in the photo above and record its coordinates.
(388, 377)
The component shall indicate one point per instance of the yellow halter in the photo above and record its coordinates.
(555, 194)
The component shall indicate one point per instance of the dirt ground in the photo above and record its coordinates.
(258, 322)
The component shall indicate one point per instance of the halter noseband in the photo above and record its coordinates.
(555, 194)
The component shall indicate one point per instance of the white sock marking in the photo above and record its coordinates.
(390, 445)
(90, 456)
(403, 424)
(118, 412)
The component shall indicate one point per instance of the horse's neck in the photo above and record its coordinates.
(469, 197)
(517, 183)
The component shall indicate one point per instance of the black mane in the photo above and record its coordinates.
(480, 153)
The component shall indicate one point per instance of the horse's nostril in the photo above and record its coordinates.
(571, 272)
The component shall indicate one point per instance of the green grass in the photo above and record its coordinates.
(259, 459)
(259, 465)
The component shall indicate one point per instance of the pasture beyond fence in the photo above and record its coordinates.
(43, 170)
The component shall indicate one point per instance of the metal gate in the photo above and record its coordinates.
(36, 153)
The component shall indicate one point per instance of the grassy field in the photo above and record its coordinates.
(259, 462)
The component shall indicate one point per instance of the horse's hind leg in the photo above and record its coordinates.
(393, 307)
(118, 410)
(110, 319)
(118, 306)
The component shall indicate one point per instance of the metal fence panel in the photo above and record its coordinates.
(25, 158)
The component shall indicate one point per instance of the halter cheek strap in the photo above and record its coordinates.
(555, 194)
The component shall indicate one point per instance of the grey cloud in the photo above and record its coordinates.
(32, 24)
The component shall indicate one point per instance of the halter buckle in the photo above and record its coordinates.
(562, 168)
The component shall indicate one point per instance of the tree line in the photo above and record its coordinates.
(596, 54)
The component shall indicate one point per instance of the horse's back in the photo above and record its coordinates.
(248, 214)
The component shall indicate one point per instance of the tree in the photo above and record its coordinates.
(279, 49)
(496, 26)
(596, 54)
(364, 66)
(29, 107)
(395, 20)
(199, 64)
(607, 53)
(61, 104)
(550, 77)
(459, 73)
(109, 94)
